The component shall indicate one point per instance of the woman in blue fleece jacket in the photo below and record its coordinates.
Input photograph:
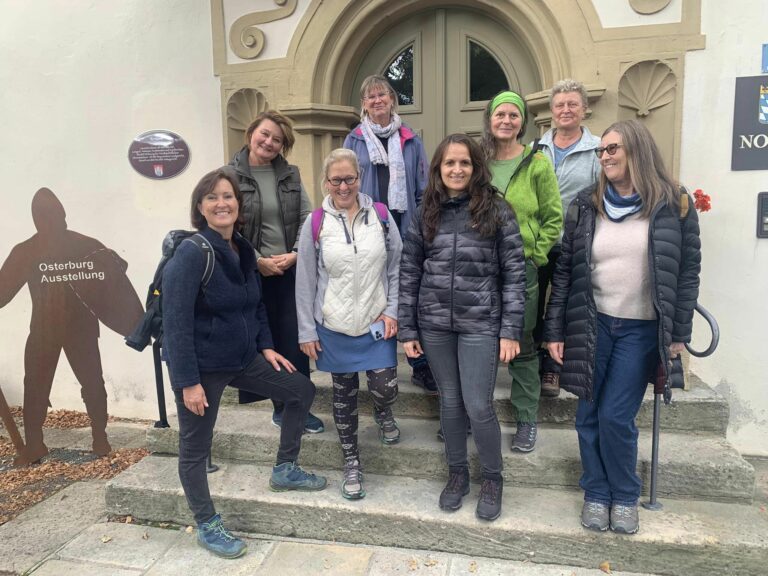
(217, 337)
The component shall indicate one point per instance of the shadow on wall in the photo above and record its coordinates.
(74, 282)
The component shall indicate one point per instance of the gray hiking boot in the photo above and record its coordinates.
(524, 439)
(594, 516)
(352, 484)
(624, 519)
(389, 433)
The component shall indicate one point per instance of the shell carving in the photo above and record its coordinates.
(646, 86)
(246, 39)
(648, 6)
(243, 106)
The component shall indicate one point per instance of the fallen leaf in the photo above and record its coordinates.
(145, 536)
(605, 567)
(128, 519)
(105, 539)
(164, 524)
(473, 566)
(413, 564)
(189, 530)
(430, 562)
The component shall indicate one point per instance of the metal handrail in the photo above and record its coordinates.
(715, 333)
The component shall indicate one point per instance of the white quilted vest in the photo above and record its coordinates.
(355, 295)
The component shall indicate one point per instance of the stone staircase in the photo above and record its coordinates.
(709, 524)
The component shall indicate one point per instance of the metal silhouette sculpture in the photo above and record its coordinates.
(74, 282)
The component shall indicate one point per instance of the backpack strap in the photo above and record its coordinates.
(684, 204)
(210, 259)
(317, 222)
(383, 213)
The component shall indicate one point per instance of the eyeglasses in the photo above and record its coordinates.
(611, 149)
(336, 182)
(372, 97)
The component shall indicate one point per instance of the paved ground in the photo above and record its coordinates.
(68, 534)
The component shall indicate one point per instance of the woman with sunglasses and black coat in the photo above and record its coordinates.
(622, 303)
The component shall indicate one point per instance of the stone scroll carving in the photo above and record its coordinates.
(243, 106)
(246, 39)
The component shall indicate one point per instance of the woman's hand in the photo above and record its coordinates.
(194, 399)
(268, 266)
(508, 349)
(675, 348)
(556, 351)
(277, 360)
(390, 326)
(285, 261)
(311, 348)
(413, 349)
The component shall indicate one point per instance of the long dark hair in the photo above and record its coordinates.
(647, 171)
(483, 197)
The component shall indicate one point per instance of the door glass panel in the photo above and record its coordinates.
(399, 72)
(486, 77)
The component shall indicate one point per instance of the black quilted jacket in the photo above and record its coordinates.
(674, 263)
(462, 282)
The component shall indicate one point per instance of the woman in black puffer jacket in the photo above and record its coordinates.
(462, 296)
(622, 302)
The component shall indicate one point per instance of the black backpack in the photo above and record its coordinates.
(151, 324)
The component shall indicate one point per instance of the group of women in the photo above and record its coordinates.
(453, 259)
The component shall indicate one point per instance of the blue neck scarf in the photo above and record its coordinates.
(618, 207)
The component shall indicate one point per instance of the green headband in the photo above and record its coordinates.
(509, 97)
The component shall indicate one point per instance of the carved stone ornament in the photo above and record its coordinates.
(648, 6)
(646, 86)
(245, 39)
(243, 106)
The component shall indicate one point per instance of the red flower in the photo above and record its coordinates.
(702, 202)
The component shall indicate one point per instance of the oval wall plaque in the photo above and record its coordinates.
(158, 154)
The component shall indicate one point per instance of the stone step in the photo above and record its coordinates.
(697, 467)
(699, 410)
(536, 525)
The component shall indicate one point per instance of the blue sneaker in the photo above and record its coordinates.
(214, 537)
(312, 425)
(290, 476)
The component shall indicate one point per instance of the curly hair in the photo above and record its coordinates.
(483, 205)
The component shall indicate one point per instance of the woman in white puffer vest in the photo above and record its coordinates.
(346, 301)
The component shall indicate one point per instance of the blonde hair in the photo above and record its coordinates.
(336, 156)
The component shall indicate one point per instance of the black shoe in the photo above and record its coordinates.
(524, 439)
(422, 376)
(456, 488)
(489, 504)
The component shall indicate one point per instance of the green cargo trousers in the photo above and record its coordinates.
(524, 369)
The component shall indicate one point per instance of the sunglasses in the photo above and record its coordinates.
(336, 182)
(611, 149)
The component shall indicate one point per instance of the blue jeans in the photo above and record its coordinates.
(626, 354)
(464, 367)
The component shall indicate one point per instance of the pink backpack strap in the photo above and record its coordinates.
(381, 210)
(317, 223)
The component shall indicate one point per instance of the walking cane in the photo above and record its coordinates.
(10, 425)
(652, 503)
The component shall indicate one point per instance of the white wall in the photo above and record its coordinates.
(80, 79)
(735, 262)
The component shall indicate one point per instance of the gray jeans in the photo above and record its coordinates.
(295, 391)
(464, 367)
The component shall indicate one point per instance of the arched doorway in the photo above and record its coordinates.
(445, 64)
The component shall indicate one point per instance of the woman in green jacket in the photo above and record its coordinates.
(528, 182)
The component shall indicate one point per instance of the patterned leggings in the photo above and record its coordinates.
(382, 384)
